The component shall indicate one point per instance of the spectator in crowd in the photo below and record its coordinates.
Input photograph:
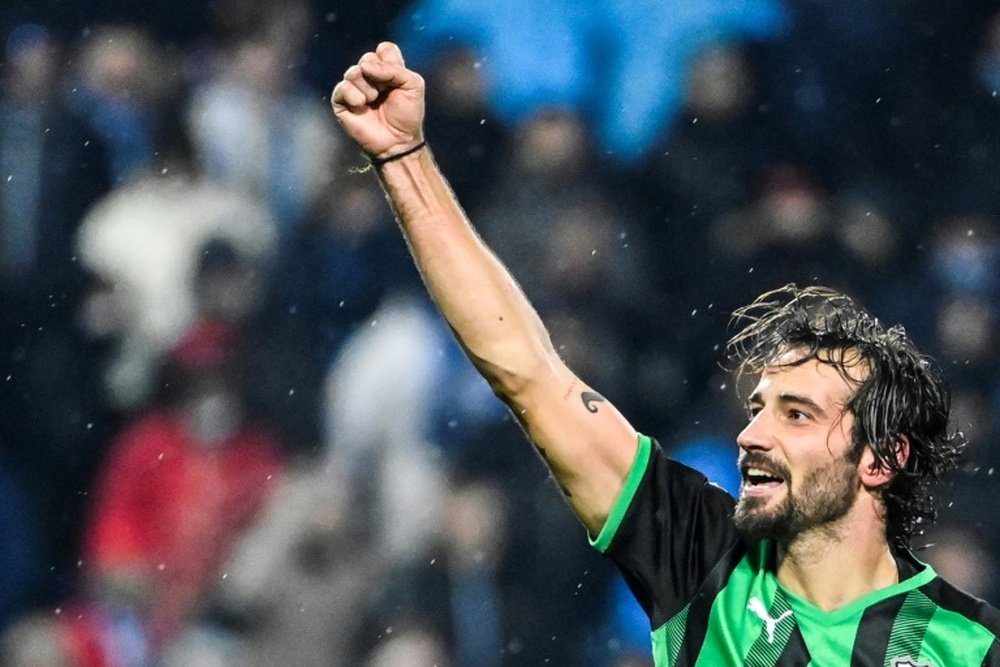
(180, 485)
(198, 462)
(966, 265)
(123, 82)
(142, 242)
(52, 168)
(464, 124)
(705, 163)
(256, 129)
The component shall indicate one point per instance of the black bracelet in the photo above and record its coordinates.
(379, 161)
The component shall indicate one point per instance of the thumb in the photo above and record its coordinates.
(390, 53)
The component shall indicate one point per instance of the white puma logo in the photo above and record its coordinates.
(770, 624)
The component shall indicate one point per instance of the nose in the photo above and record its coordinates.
(757, 434)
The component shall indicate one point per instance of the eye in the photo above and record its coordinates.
(753, 411)
(797, 415)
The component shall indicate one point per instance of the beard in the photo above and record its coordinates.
(828, 494)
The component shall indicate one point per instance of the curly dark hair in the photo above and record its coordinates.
(900, 392)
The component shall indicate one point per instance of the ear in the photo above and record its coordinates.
(874, 473)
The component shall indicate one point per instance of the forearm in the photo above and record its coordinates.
(588, 444)
(481, 301)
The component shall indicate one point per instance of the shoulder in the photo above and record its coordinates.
(662, 494)
(952, 599)
(670, 533)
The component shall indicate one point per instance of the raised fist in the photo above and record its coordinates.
(380, 103)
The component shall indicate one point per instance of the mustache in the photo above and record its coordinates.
(749, 460)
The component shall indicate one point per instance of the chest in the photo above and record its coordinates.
(752, 622)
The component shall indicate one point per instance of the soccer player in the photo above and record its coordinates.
(847, 428)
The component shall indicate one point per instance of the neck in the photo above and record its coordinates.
(835, 564)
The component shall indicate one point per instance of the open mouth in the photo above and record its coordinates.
(759, 480)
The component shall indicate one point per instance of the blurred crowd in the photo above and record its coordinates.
(233, 430)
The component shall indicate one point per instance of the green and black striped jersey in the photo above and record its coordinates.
(713, 600)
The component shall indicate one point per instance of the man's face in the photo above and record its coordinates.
(799, 469)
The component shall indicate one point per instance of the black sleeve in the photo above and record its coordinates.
(668, 529)
(992, 658)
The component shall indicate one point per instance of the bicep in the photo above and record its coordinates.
(587, 443)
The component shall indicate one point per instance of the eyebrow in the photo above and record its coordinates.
(787, 398)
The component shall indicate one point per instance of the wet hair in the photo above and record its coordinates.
(900, 394)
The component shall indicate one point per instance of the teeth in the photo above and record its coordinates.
(760, 476)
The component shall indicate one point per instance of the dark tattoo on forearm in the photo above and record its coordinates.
(545, 457)
(589, 398)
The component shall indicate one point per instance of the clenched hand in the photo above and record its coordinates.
(380, 103)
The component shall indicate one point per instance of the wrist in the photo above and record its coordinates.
(378, 161)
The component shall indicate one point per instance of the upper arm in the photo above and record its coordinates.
(584, 439)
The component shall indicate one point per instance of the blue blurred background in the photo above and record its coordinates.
(233, 431)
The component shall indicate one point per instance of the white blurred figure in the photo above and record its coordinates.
(34, 641)
(414, 647)
(380, 395)
(142, 241)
